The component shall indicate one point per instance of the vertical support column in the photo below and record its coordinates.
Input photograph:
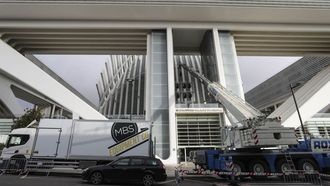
(226, 53)
(209, 58)
(218, 57)
(171, 98)
(147, 85)
(228, 68)
(157, 91)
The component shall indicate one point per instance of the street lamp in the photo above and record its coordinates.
(130, 83)
(295, 103)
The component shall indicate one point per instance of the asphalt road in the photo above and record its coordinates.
(11, 180)
(41, 180)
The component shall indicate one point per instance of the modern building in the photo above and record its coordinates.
(149, 38)
(272, 93)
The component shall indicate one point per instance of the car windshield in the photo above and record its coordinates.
(17, 139)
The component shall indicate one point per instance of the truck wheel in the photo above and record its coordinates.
(238, 167)
(308, 165)
(282, 166)
(96, 178)
(147, 180)
(258, 167)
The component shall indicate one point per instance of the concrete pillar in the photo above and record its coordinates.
(160, 98)
(227, 60)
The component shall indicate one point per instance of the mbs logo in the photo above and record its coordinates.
(127, 137)
(121, 131)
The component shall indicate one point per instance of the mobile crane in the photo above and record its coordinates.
(252, 142)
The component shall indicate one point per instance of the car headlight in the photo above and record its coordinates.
(85, 170)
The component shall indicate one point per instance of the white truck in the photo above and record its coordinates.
(79, 143)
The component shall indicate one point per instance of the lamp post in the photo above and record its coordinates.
(297, 108)
(130, 83)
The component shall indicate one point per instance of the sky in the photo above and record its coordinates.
(257, 69)
(80, 71)
(83, 71)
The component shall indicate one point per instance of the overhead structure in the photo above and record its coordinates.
(311, 98)
(76, 41)
(281, 27)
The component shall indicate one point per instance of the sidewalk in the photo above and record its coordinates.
(170, 169)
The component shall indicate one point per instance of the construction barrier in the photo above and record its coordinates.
(302, 177)
(23, 166)
(13, 165)
(296, 176)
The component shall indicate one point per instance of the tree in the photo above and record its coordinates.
(27, 118)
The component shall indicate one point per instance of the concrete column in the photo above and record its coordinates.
(147, 84)
(171, 99)
(158, 92)
(227, 62)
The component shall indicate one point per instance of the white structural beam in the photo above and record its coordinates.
(311, 98)
(8, 98)
(27, 72)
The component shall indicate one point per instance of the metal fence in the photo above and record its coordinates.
(294, 177)
(299, 176)
(13, 166)
(23, 166)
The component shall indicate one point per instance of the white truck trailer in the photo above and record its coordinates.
(81, 142)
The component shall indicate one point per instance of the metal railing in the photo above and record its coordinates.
(23, 166)
(300, 176)
(13, 166)
(294, 177)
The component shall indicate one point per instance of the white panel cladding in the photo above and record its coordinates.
(120, 99)
(230, 64)
(159, 100)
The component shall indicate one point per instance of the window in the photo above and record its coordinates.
(321, 131)
(15, 140)
(151, 162)
(137, 162)
(122, 162)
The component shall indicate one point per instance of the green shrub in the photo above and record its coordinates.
(27, 118)
(2, 146)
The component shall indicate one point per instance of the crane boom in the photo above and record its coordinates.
(238, 107)
(255, 130)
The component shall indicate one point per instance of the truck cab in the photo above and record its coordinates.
(19, 143)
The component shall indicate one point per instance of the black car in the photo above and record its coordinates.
(132, 169)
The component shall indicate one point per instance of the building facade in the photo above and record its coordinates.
(138, 87)
(207, 35)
